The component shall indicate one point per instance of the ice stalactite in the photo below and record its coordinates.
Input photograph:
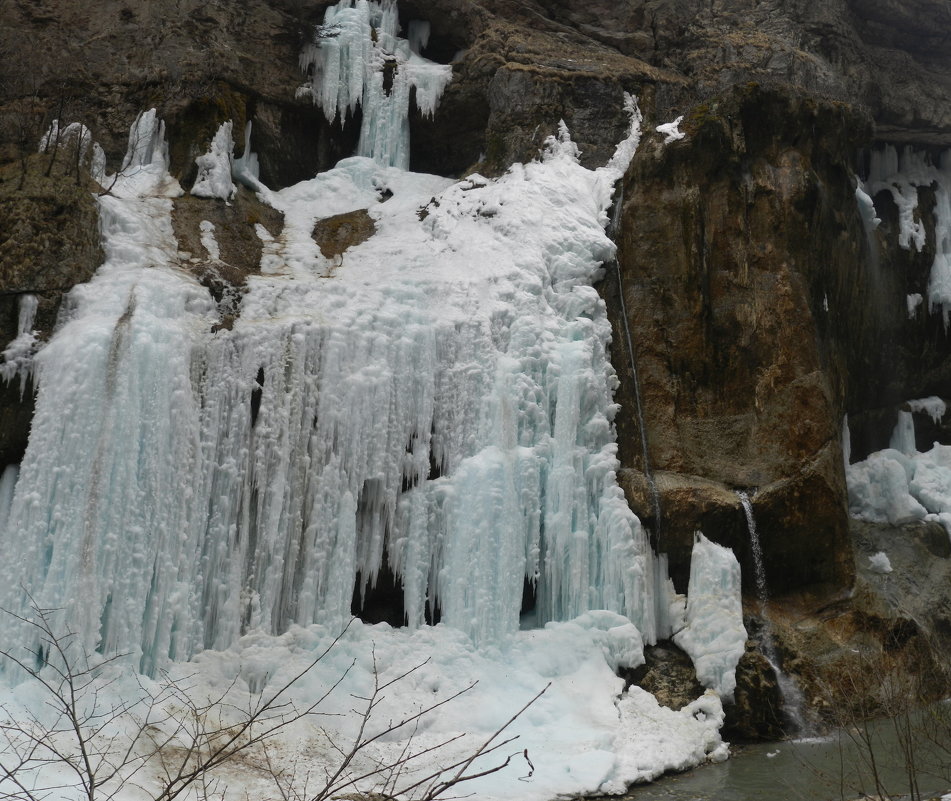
(359, 59)
(18, 355)
(901, 175)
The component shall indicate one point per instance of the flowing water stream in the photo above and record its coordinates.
(791, 694)
(809, 769)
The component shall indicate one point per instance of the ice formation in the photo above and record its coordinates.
(880, 563)
(246, 169)
(901, 484)
(214, 167)
(914, 301)
(671, 130)
(358, 59)
(467, 442)
(18, 355)
(901, 176)
(714, 634)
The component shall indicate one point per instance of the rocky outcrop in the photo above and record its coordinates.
(518, 68)
(883, 646)
(729, 239)
(334, 235)
(49, 242)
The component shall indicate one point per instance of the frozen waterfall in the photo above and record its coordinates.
(358, 59)
(443, 403)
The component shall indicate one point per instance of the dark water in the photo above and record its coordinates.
(813, 769)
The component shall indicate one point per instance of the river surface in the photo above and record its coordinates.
(812, 769)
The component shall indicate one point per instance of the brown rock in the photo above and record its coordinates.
(239, 245)
(336, 234)
(727, 239)
(49, 241)
(689, 504)
(669, 675)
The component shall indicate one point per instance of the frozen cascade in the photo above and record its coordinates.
(903, 436)
(792, 698)
(181, 487)
(358, 59)
(215, 166)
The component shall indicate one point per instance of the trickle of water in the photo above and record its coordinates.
(792, 698)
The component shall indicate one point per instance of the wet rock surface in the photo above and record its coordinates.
(49, 241)
(884, 644)
(728, 239)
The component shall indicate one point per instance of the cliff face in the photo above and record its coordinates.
(756, 316)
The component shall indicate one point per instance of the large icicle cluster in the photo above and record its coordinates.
(359, 59)
(445, 400)
(901, 175)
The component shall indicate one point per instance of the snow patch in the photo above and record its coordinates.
(900, 484)
(208, 241)
(671, 130)
(879, 563)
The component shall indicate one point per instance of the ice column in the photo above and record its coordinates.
(714, 635)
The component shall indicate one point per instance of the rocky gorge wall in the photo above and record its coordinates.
(757, 321)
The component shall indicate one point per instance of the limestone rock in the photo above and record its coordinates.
(334, 235)
(727, 239)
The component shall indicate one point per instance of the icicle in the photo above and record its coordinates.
(901, 176)
(18, 355)
(418, 35)
(358, 59)
(903, 437)
(250, 478)
(246, 170)
(8, 481)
